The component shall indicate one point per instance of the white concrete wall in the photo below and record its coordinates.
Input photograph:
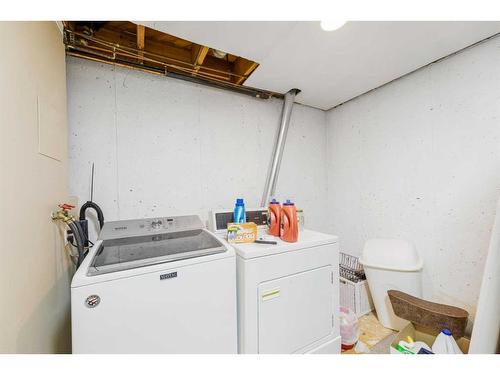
(35, 271)
(416, 159)
(166, 147)
(419, 159)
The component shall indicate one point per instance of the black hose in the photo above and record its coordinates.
(84, 225)
(100, 215)
(80, 230)
(75, 228)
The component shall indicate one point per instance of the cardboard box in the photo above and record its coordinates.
(241, 233)
(420, 334)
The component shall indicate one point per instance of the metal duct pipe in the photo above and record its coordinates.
(279, 146)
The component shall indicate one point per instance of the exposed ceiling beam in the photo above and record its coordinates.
(128, 43)
(141, 34)
(125, 40)
(141, 37)
(243, 68)
(198, 54)
(252, 91)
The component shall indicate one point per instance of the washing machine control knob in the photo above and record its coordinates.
(156, 224)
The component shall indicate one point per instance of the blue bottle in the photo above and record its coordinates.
(239, 215)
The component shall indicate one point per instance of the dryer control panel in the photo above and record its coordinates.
(218, 219)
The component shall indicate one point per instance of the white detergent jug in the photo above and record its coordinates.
(445, 344)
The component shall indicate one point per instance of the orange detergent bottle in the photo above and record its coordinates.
(274, 212)
(289, 225)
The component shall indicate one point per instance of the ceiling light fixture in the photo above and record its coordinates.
(218, 53)
(332, 25)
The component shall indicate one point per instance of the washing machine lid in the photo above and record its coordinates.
(118, 254)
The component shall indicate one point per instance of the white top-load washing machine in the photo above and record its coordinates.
(288, 293)
(164, 285)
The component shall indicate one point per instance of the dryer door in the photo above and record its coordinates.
(295, 311)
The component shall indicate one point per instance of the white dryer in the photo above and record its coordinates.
(163, 285)
(288, 295)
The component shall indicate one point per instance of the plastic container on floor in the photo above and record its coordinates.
(445, 344)
(391, 264)
(348, 328)
(354, 292)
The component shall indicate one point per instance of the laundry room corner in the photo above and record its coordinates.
(222, 187)
(424, 142)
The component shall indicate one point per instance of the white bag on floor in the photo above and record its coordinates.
(445, 344)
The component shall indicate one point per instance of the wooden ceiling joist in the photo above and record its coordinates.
(198, 55)
(243, 68)
(129, 44)
(141, 35)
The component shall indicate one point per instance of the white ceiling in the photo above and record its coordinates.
(331, 67)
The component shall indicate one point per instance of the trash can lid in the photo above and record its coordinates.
(391, 254)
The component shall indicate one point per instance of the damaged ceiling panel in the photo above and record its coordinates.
(138, 47)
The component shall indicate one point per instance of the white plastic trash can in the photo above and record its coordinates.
(391, 264)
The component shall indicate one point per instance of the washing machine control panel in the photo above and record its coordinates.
(132, 228)
(157, 224)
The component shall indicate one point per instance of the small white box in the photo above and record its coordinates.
(356, 296)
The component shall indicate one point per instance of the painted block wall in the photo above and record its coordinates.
(162, 146)
(419, 159)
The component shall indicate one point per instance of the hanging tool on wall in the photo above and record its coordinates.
(90, 204)
(76, 236)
